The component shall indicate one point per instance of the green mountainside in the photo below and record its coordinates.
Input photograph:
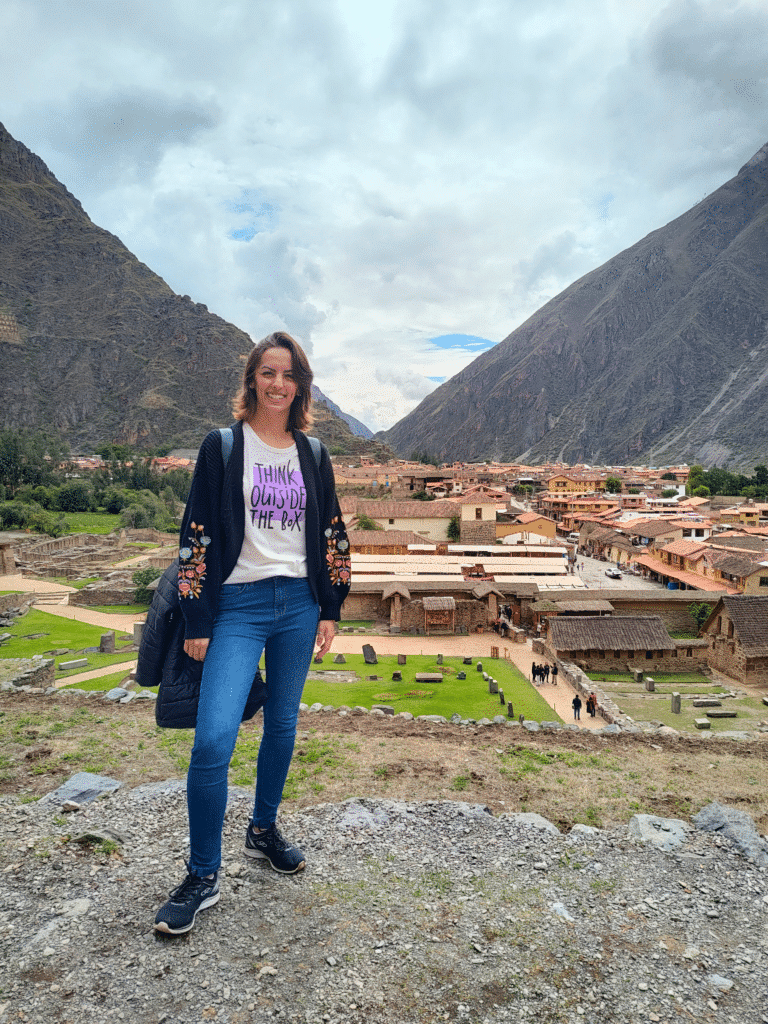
(97, 346)
(659, 355)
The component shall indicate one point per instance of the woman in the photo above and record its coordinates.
(263, 567)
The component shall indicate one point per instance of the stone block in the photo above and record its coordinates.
(67, 666)
(402, 659)
(339, 660)
(369, 655)
(385, 709)
(510, 710)
(439, 659)
(397, 677)
(493, 686)
(674, 703)
(501, 697)
(649, 684)
(721, 713)
(468, 661)
(107, 643)
(461, 675)
(479, 666)
(138, 632)
(707, 702)
(702, 723)
(429, 677)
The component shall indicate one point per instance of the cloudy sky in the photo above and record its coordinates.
(398, 184)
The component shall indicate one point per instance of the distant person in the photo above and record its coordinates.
(534, 671)
(546, 673)
(554, 675)
(263, 568)
(592, 705)
(576, 705)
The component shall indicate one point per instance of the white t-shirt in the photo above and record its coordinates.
(275, 541)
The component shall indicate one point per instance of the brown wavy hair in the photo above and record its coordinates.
(300, 414)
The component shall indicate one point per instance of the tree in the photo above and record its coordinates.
(695, 473)
(699, 612)
(422, 496)
(454, 528)
(364, 522)
(613, 485)
(669, 492)
(701, 492)
(668, 476)
(75, 496)
(141, 578)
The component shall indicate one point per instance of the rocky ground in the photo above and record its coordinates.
(407, 912)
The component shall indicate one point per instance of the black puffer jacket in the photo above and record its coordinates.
(162, 661)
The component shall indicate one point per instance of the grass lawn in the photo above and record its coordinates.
(91, 522)
(63, 581)
(58, 634)
(469, 697)
(749, 711)
(119, 609)
(658, 677)
(102, 683)
(355, 624)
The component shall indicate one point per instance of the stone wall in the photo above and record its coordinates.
(467, 617)
(476, 531)
(627, 661)
(8, 601)
(36, 671)
(363, 605)
(728, 657)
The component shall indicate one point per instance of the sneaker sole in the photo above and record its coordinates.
(165, 928)
(259, 855)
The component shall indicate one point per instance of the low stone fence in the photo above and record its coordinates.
(8, 601)
(36, 671)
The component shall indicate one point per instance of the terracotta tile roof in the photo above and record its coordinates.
(690, 579)
(532, 517)
(384, 538)
(750, 622)
(736, 564)
(686, 548)
(649, 528)
(733, 541)
(407, 509)
(611, 632)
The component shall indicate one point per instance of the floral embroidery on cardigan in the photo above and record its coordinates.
(337, 553)
(192, 563)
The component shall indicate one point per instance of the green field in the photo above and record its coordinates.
(60, 633)
(469, 697)
(91, 522)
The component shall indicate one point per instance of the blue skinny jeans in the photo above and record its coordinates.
(277, 616)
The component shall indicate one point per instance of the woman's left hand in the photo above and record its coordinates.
(326, 631)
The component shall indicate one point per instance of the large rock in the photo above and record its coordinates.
(735, 825)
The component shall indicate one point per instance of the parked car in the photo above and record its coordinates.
(613, 574)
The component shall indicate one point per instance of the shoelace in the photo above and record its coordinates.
(190, 887)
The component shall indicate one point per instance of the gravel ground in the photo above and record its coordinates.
(407, 912)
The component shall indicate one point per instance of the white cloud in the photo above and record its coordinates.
(373, 176)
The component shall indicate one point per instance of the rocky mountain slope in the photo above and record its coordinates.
(96, 345)
(659, 355)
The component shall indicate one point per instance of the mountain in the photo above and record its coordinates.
(97, 346)
(358, 429)
(660, 355)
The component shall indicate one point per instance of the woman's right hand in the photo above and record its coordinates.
(197, 648)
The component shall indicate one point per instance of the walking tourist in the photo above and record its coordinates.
(576, 705)
(263, 567)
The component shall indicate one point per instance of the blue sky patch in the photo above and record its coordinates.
(462, 341)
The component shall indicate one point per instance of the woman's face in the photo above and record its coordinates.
(274, 382)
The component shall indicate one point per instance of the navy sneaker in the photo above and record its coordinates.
(272, 846)
(178, 915)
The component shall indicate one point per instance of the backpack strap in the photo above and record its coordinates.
(316, 447)
(227, 440)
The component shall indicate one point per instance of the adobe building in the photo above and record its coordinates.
(622, 643)
(737, 638)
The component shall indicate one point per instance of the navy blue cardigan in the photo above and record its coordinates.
(213, 529)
